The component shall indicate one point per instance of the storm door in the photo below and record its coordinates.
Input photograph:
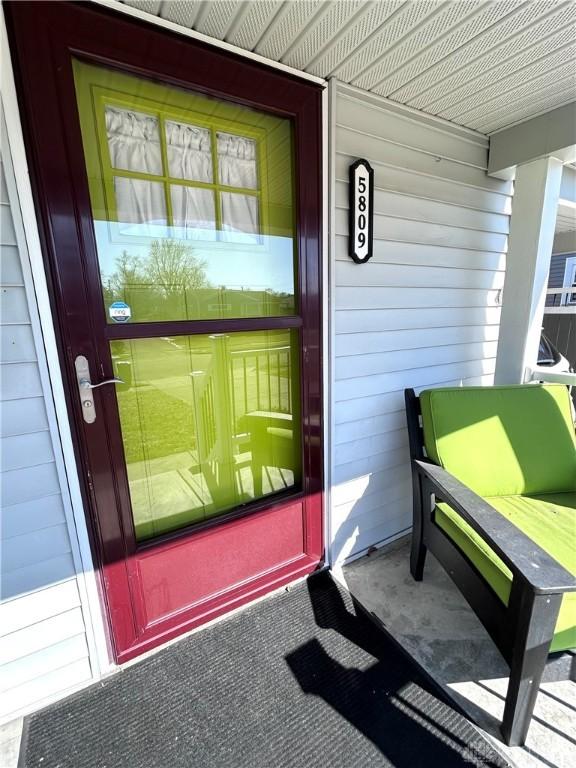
(181, 214)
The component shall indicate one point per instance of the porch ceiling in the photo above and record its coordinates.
(482, 64)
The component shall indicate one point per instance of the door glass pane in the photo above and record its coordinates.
(208, 423)
(191, 196)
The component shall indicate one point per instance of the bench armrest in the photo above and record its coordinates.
(517, 550)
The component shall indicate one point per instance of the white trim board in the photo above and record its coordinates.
(410, 113)
(191, 33)
(329, 291)
(569, 310)
(548, 135)
(327, 320)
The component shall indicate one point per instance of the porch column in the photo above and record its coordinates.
(534, 206)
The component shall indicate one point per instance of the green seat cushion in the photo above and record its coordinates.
(550, 521)
(503, 441)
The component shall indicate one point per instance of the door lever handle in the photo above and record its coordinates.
(87, 384)
(85, 388)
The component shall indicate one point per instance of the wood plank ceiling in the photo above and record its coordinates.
(484, 64)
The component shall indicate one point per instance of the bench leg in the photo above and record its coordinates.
(536, 617)
(418, 551)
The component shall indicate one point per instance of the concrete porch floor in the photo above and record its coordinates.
(433, 622)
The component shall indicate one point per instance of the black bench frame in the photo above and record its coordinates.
(522, 630)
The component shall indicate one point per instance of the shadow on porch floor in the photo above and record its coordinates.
(300, 679)
(434, 624)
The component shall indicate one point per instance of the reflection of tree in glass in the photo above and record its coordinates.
(172, 267)
(170, 283)
(128, 272)
(157, 286)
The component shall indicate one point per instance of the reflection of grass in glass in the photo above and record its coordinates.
(186, 462)
(169, 424)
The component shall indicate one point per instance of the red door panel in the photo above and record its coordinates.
(230, 554)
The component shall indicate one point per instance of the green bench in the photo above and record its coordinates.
(494, 485)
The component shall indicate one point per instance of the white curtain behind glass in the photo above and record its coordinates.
(193, 212)
(239, 217)
(134, 145)
(236, 161)
(237, 168)
(189, 152)
(134, 141)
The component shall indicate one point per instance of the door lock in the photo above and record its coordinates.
(85, 388)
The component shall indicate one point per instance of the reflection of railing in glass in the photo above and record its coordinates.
(208, 424)
(241, 395)
(557, 297)
(272, 381)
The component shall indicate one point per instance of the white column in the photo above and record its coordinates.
(536, 195)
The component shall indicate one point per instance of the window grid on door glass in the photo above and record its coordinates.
(197, 177)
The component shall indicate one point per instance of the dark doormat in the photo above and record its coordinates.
(301, 679)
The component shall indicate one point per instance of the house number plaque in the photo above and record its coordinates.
(361, 211)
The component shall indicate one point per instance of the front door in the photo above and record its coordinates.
(178, 189)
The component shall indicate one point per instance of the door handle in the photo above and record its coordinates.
(85, 388)
(85, 383)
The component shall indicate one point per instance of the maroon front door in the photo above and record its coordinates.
(178, 191)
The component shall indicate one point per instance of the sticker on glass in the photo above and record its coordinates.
(120, 312)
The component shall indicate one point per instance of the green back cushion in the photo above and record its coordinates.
(502, 440)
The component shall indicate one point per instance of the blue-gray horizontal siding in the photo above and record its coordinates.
(556, 275)
(41, 555)
(422, 313)
(43, 648)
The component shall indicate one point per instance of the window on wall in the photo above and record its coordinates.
(569, 280)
